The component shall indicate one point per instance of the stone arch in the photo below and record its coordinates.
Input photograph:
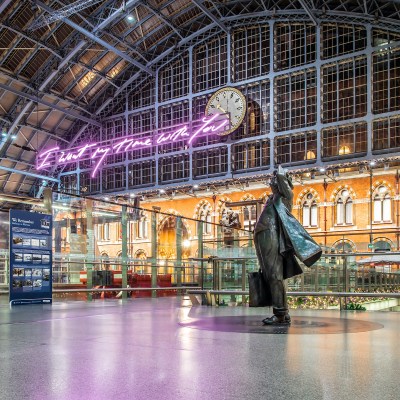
(140, 254)
(265, 195)
(247, 196)
(336, 192)
(381, 183)
(342, 242)
(173, 212)
(221, 204)
(386, 240)
(201, 204)
(304, 192)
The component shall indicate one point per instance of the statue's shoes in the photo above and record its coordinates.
(274, 320)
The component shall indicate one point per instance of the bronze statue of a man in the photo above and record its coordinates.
(279, 238)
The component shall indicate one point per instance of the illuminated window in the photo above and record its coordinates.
(295, 100)
(295, 148)
(212, 162)
(142, 227)
(386, 134)
(103, 231)
(294, 45)
(338, 39)
(344, 208)
(382, 205)
(344, 90)
(174, 79)
(250, 52)
(205, 214)
(249, 217)
(210, 64)
(385, 81)
(309, 211)
(251, 155)
(342, 141)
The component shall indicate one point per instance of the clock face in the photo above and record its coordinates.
(228, 102)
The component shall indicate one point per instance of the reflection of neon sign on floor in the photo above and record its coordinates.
(98, 151)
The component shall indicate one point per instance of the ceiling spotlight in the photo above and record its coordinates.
(162, 191)
(322, 169)
(4, 134)
(106, 198)
(372, 163)
(132, 194)
(195, 186)
(131, 18)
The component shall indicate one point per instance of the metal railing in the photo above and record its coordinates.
(334, 275)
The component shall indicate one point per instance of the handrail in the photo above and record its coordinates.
(115, 289)
(322, 294)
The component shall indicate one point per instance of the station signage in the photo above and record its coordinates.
(30, 257)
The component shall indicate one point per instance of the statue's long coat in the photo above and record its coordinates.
(293, 238)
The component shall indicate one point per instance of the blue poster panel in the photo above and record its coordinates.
(30, 257)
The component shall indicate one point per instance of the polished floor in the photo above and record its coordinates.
(166, 349)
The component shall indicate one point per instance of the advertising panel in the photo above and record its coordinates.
(30, 257)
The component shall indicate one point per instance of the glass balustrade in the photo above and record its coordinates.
(106, 250)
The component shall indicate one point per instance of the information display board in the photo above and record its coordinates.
(30, 257)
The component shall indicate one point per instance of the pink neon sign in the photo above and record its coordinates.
(100, 150)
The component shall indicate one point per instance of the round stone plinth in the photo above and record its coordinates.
(299, 325)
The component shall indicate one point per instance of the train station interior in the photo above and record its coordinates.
(132, 132)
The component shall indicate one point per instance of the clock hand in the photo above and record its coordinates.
(220, 108)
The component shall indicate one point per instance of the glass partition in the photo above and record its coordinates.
(112, 250)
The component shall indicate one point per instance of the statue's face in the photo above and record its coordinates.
(274, 186)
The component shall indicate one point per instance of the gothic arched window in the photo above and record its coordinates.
(309, 211)
(344, 208)
(142, 229)
(249, 217)
(382, 205)
(205, 215)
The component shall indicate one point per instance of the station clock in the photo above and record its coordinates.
(230, 102)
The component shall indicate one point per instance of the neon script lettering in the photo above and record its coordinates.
(100, 150)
